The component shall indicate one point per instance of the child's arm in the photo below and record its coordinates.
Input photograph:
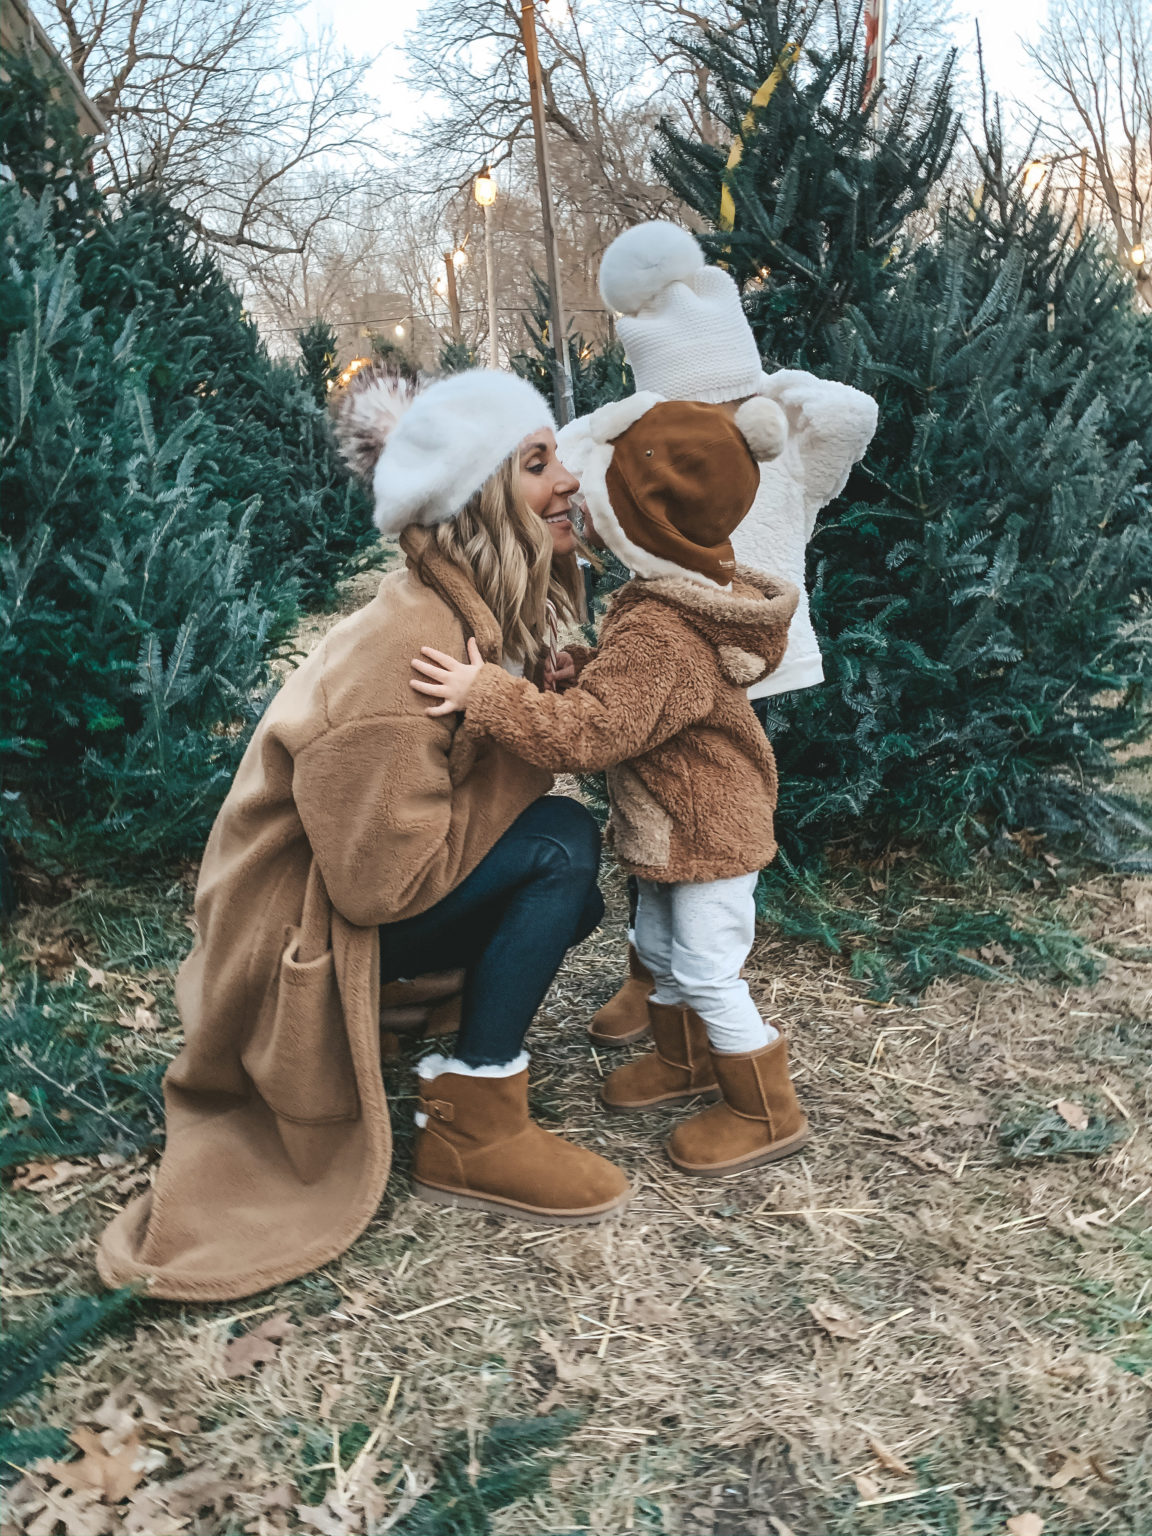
(830, 425)
(630, 698)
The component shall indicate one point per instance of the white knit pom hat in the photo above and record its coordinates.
(681, 322)
(436, 446)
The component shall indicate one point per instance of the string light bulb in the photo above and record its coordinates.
(1034, 174)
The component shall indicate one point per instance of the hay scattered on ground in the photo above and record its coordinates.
(905, 1307)
(925, 1323)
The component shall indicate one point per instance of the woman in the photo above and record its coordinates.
(362, 838)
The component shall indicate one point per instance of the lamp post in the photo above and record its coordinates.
(484, 191)
(561, 376)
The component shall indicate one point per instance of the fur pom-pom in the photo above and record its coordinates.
(373, 406)
(763, 426)
(640, 263)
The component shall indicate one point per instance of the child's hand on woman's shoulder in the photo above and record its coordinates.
(450, 680)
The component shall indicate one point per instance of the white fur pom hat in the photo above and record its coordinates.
(436, 446)
(682, 323)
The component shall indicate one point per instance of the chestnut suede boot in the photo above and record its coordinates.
(758, 1121)
(422, 1005)
(624, 1018)
(680, 1068)
(477, 1147)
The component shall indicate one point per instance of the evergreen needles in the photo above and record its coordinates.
(510, 1463)
(169, 495)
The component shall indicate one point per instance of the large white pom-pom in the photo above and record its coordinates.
(763, 426)
(372, 408)
(640, 263)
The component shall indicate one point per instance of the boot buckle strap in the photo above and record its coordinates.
(440, 1109)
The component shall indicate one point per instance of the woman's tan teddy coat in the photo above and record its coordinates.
(661, 704)
(350, 808)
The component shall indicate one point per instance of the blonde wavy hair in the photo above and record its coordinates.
(505, 551)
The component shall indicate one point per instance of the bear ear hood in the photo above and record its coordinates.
(668, 481)
(746, 624)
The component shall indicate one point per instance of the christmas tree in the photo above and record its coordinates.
(981, 589)
(168, 495)
(319, 359)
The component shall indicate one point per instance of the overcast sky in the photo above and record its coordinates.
(378, 26)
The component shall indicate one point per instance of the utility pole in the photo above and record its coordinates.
(453, 293)
(875, 56)
(561, 376)
(1080, 195)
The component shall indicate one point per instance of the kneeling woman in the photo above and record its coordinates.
(363, 840)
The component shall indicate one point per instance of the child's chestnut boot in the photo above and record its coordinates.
(758, 1120)
(624, 1018)
(679, 1069)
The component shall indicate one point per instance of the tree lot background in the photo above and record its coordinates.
(172, 503)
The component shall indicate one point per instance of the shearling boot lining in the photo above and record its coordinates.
(432, 1066)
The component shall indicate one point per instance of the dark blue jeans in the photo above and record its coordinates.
(509, 924)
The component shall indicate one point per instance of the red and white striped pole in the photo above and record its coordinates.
(875, 43)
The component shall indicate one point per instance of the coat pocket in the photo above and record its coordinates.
(298, 1056)
(641, 827)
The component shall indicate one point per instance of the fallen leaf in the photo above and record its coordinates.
(1027, 1524)
(1072, 1470)
(889, 1459)
(332, 1517)
(37, 1177)
(578, 1369)
(96, 976)
(835, 1320)
(58, 956)
(923, 1158)
(138, 993)
(139, 1018)
(80, 1514)
(866, 1486)
(243, 1354)
(1072, 1114)
(18, 1108)
(112, 1476)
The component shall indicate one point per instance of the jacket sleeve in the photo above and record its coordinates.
(830, 426)
(581, 655)
(638, 691)
(386, 826)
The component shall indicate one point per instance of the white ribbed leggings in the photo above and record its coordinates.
(695, 939)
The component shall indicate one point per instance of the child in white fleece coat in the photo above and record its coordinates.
(687, 338)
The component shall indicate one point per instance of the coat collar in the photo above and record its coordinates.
(746, 623)
(447, 580)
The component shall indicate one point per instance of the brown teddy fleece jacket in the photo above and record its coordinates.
(661, 704)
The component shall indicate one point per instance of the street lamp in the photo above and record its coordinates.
(1138, 255)
(484, 191)
(1035, 173)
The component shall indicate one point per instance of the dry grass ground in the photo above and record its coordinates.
(924, 1324)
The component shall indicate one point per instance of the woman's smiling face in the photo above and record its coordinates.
(548, 488)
